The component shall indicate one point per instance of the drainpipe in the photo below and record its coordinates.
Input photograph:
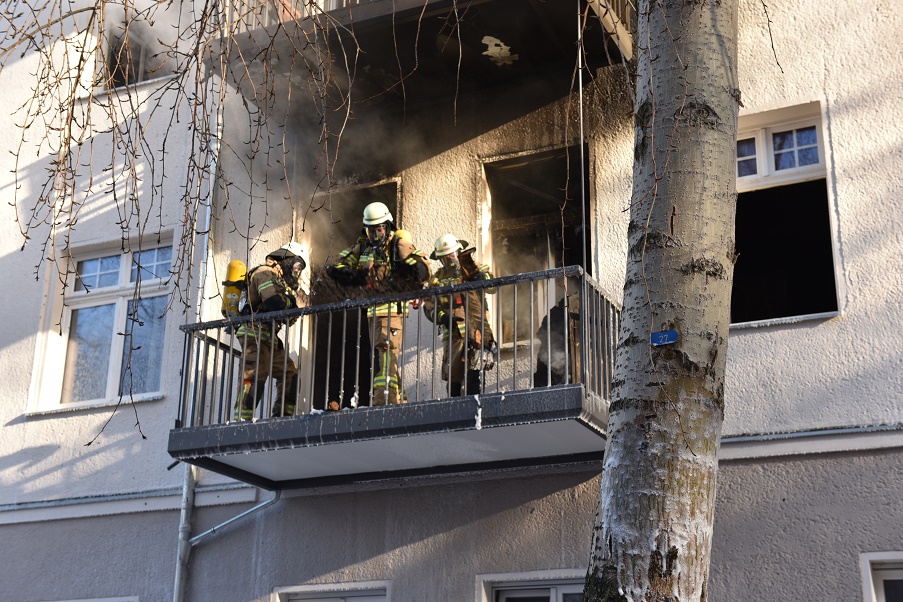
(197, 538)
(186, 542)
(184, 549)
(190, 479)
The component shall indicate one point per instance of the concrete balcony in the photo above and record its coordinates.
(542, 398)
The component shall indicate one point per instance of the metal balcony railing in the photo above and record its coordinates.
(548, 328)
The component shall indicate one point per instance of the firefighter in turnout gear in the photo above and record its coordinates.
(462, 318)
(383, 260)
(273, 286)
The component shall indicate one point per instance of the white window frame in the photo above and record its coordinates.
(874, 568)
(50, 353)
(766, 175)
(318, 591)
(488, 584)
(761, 126)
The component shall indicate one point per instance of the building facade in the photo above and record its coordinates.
(488, 498)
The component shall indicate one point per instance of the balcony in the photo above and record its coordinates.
(542, 399)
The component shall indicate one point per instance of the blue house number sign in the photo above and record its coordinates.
(665, 337)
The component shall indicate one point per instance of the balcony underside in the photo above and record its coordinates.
(553, 425)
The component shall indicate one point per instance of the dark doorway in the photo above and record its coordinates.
(539, 222)
(341, 342)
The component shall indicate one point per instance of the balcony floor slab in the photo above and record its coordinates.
(555, 425)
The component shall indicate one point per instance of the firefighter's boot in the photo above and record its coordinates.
(285, 405)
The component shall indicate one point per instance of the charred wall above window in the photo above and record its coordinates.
(422, 78)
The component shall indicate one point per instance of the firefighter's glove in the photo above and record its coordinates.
(489, 354)
(342, 275)
(361, 277)
(288, 292)
(429, 309)
(417, 273)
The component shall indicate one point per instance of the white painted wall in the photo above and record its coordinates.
(787, 528)
(846, 371)
(44, 453)
(832, 373)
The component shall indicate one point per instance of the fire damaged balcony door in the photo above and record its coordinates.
(341, 361)
(540, 215)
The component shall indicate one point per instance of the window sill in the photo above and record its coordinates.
(98, 93)
(780, 321)
(520, 344)
(61, 408)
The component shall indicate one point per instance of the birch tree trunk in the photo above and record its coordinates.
(653, 532)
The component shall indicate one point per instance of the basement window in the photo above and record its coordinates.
(360, 591)
(882, 576)
(554, 593)
(785, 269)
(533, 586)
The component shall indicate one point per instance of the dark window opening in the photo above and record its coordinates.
(893, 590)
(536, 211)
(538, 220)
(785, 263)
(130, 61)
(334, 224)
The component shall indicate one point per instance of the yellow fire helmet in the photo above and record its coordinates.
(405, 235)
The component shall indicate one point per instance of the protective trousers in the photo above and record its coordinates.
(386, 333)
(263, 359)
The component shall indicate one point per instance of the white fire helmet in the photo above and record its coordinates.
(377, 213)
(446, 245)
(292, 249)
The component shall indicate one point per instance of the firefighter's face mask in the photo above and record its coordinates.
(292, 268)
(377, 234)
(450, 261)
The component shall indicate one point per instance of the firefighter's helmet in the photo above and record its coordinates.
(404, 235)
(292, 249)
(446, 245)
(377, 213)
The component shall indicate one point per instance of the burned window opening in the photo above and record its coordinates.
(131, 60)
(537, 224)
(785, 264)
(536, 199)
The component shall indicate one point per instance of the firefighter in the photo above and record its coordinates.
(272, 286)
(462, 318)
(383, 260)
